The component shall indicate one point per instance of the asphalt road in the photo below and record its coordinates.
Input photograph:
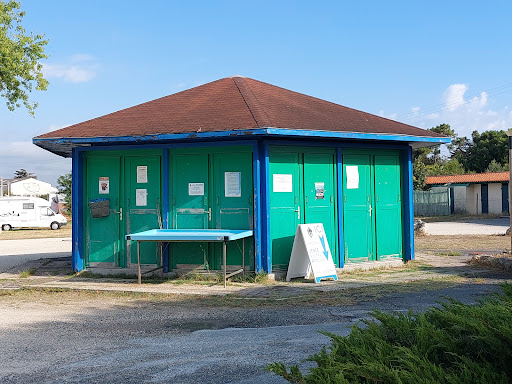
(17, 252)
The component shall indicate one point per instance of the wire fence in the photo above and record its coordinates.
(432, 203)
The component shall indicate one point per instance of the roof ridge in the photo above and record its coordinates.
(257, 111)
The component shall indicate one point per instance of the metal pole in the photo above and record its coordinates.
(138, 262)
(224, 256)
(243, 257)
(509, 134)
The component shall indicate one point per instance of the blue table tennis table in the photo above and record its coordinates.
(193, 235)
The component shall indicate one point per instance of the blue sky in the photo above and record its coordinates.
(422, 63)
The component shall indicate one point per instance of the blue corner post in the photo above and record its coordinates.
(77, 258)
(339, 178)
(408, 204)
(266, 258)
(165, 205)
(257, 207)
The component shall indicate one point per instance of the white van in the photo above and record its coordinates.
(28, 212)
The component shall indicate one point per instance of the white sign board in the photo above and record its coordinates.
(232, 184)
(196, 189)
(282, 183)
(104, 186)
(352, 176)
(142, 174)
(311, 254)
(141, 197)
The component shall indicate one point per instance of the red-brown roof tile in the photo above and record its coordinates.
(234, 103)
(491, 177)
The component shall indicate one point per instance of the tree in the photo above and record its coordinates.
(494, 166)
(20, 55)
(485, 147)
(64, 187)
(22, 173)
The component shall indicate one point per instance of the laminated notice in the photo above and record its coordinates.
(196, 189)
(141, 197)
(142, 174)
(282, 183)
(232, 184)
(352, 176)
(104, 186)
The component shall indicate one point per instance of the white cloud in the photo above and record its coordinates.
(79, 69)
(23, 154)
(464, 114)
(453, 97)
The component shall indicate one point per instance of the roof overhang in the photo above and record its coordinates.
(63, 146)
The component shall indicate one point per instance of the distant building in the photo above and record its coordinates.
(27, 186)
(475, 193)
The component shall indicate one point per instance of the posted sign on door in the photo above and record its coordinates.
(311, 254)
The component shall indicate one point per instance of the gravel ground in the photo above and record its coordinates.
(469, 227)
(16, 252)
(94, 337)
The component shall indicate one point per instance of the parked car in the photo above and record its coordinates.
(28, 212)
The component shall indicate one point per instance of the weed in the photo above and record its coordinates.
(27, 273)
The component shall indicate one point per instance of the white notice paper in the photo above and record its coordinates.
(282, 183)
(232, 184)
(352, 176)
(196, 189)
(142, 174)
(141, 197)
(311, 254)
(104, 185)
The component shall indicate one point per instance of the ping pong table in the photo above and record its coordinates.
(193, 235)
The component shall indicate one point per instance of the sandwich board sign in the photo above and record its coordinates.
(311, 254)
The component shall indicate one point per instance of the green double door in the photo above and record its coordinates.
(211, 191)
(372, 211)
(132, 186)
(302, 190)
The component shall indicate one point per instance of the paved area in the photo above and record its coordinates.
(14, 253)
(469, 227)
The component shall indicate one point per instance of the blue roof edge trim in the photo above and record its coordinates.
(158, 138)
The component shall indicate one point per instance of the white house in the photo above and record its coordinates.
(475, 193)
(28, 187)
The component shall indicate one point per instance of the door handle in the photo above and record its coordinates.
(209, 211)
(370, 210)
(120, 214)
(298, 212)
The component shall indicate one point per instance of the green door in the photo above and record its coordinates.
(233, 206)
(142, 205)
(319, 195)
(102, 234)
(190, 205)
(357, 207)
(285, 205)
(388, 209)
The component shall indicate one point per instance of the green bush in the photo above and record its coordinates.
(456, 343)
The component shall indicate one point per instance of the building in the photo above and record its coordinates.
(27, 186)
(475, 193)
(238, 153)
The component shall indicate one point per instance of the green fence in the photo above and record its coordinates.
(432, 203)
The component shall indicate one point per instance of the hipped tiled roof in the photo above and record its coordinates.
(234, 103)
(491, 177)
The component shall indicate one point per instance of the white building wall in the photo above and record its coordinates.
(473, 199)
(495, 198)
(31, 187)
(459, 199)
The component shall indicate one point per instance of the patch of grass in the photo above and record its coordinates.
(461, 243)
(450, 254)
(27, 273)
(40, 233)
(458, 217)
(456, 343)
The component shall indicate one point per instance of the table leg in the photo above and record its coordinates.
(243, 257)
(138, 261)
(224, 256)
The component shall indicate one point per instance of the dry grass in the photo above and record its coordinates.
(21, 234)
(462, 243)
